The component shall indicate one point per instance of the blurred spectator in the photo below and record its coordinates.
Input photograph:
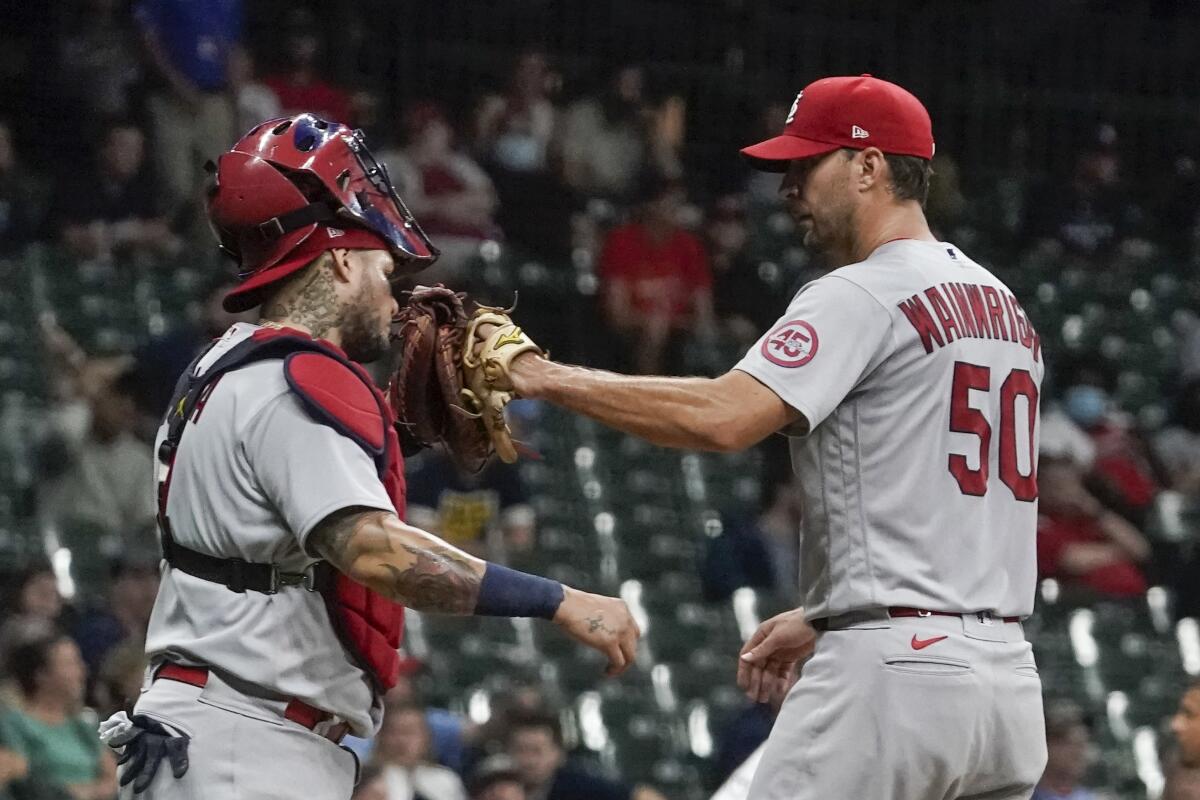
(448, 731)
(1183, 769)
(946, 204)
(1082, 543)
(402, 750)
(256, 102)
(536, 747)
(746, 731)
(33, 593)
(32, 608)
(1178, 445)
(103, 480)
(99, 63)
(118, 682)
(115, 205)
(1068, 741)
(496, 778)
(299, 86)
(188, 43)
(513, 131)
(655, 281)
(1092, 211)
(738, 556)
(22, 204)
(445, 189)
(608, 141)
(14, 768)
(162, 359)
(1121, 463)
(746, 297)
(514, 134)
(50, 729)
(370, 784)
(762, 188)
(1061, 438)
(485, 512)
(132, 589)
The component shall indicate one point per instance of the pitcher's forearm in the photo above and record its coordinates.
(670, 412)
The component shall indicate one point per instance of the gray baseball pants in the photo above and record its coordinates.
(928, 708)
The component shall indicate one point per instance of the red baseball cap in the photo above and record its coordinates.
(855, 112)
(249, 293)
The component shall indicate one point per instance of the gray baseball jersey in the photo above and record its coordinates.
(253, 476)
(918, 374)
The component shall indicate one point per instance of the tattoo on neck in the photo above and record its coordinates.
(310, 300)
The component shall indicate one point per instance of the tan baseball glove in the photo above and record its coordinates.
(491, 343)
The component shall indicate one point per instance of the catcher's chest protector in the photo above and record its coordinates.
(338, 393)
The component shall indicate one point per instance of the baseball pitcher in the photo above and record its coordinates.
(907, 380)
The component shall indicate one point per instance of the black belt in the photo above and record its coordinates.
(237, 574)
(893, 612)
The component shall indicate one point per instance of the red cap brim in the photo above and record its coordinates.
(249, 293)
(776, 153)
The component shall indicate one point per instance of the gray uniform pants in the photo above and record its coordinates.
(883, 712)
(242, 749)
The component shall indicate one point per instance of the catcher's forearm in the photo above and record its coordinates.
(423, 572)
(670, 412)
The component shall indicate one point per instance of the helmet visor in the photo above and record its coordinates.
(371, 198)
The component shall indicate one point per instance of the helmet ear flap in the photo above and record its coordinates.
(247, 191)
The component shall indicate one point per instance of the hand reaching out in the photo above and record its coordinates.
(769, 657)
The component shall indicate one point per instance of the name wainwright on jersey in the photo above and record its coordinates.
(969, 311)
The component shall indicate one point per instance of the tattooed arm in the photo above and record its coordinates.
(423, 572)
(403, 563)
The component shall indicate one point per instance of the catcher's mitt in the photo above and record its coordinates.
(427, 338)
(492, 341)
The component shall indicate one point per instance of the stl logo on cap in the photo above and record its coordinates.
(792, 344)
(792, 111)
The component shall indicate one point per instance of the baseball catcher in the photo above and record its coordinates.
(281, 494)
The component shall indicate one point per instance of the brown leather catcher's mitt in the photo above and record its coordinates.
(426, 391)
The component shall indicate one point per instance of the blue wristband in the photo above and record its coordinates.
(506, 592)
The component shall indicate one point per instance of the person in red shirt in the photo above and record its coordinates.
(655, 282)
(298, 88)
(1082, 543)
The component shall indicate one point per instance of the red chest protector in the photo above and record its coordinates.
(338, 393)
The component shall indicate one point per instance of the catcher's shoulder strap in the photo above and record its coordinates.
(338, 393)
(333, 389)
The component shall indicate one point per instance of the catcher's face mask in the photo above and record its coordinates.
(288, 176)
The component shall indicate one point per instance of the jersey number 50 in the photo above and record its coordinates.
(966, 419)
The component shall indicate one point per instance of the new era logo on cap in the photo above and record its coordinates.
(854, 112)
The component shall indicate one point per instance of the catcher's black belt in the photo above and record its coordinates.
(236, 574)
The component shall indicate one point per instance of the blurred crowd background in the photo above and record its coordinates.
(584, 157)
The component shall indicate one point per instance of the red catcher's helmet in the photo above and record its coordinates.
(289, 177)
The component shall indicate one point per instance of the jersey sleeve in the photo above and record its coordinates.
(821, 348)
(309, 470)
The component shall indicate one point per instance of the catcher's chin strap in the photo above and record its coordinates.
(236, 574)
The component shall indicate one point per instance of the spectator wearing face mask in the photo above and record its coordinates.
(1121, 457)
